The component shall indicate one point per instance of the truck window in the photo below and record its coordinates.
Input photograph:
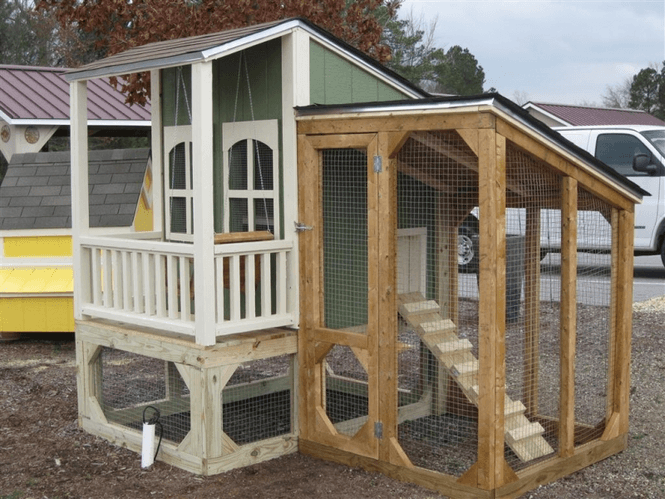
(657, 139)
(617, 150)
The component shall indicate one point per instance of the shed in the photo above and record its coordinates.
(301, 289)
(36, 280)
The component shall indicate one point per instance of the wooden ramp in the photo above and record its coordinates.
(440, 336)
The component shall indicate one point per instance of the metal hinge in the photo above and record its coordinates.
(378, 430)
(378, 164)
(301, 227)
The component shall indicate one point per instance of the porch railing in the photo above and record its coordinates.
(151, 283)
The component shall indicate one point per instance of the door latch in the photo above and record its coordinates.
(301, 227)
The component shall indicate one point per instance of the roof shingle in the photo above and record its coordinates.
(43, 198)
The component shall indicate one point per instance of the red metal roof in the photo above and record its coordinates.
(588, 116)
(42, 94)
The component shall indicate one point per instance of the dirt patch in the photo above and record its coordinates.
(43, 453)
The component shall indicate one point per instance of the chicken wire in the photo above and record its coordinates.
(437, 187)
(257, 401)
(345, 278)
(131, 382)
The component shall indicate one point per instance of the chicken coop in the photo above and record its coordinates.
(343, 265)
(482, 380)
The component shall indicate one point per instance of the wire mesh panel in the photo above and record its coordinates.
(532, 327)
(257, 402)
(345, 282)
(346, 389)
(437, 261)
(345, 238)
(132, 382)
(594, 235)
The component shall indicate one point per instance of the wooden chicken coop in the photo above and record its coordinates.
(342, 265)
(482, 384)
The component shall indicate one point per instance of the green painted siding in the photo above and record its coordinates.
(334, 80)
(235, 100)
(172, 94)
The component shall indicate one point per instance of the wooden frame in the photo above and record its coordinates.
(206, 450)
(489, 134)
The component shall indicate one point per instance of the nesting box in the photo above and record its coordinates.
(450, 335)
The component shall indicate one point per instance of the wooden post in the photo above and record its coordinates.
(156, 139)
(295, 88)
(204, 229)
(491, 309)
(624, 331)
(80, 206)
(389, 449)
(531, 309)
(568, 316)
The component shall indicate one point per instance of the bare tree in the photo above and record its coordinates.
(617, 96)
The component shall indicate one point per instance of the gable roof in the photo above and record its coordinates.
(37, 95)
(200, 48)
(36, 191)
(593, 116)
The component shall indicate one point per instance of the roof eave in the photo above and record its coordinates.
(237, 45)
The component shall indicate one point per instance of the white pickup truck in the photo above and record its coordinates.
(635, 151)
(638, 152)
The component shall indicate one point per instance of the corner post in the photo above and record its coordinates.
(204, 230)
(156, 140)
(80, 206)
(491, 308)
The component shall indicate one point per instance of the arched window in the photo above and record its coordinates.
(251, 176)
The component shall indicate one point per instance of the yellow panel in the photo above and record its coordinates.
(37, 315)
(38, 246)
(36, 280)
(143, 217)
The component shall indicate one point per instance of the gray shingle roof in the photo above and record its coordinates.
(36, 191)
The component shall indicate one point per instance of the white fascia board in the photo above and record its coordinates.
(91, 123)
(548, 114)
(5, 118)
(401, 108)
(250, 40)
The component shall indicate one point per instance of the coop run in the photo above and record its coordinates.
(451, 334)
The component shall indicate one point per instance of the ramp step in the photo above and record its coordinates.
(438, 326)
(513, 407)
(454, 347)
(419, 307)
(440, 336)
(526, 431)
(465, 369)
(531, 448)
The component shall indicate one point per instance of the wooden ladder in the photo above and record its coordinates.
(440, 336)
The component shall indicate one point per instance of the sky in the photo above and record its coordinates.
(565, 51)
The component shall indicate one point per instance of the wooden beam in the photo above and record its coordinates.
(568, 317)
(396, 122)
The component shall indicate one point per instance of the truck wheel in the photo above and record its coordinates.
(662, 252)
(467, 246)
